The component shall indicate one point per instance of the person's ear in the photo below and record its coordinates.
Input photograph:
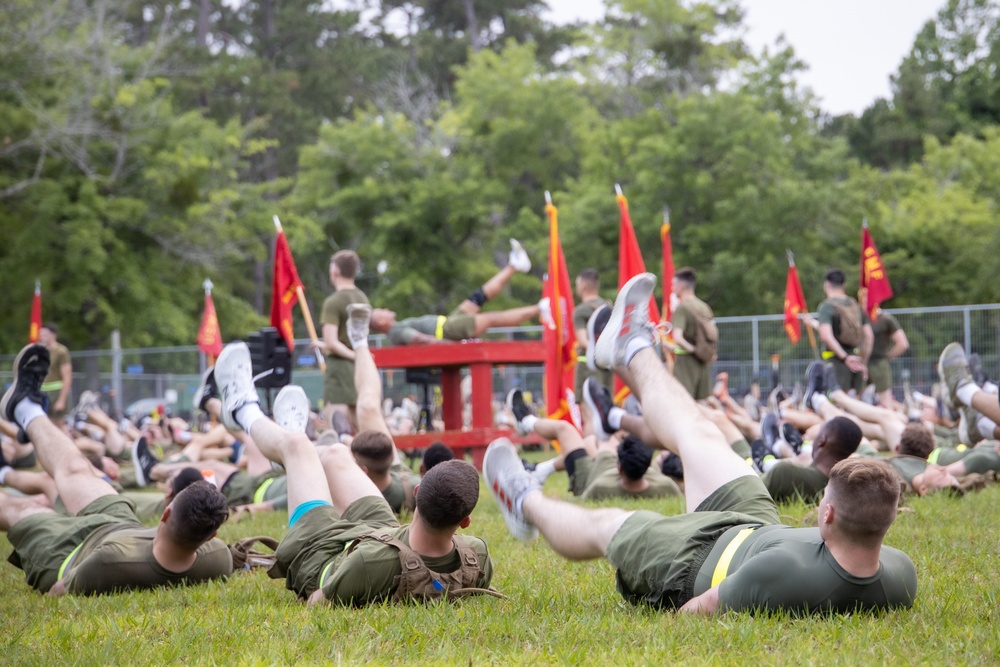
(466, 522)
(415, 489)
(828, 513)
(166, 514)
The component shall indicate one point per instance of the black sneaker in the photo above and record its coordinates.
(792, 436)
(206, 390)
(830, 383)
(143, 460)
(758, 452)
(595, 326)
(770, 432)
(520, 409)
(30, 368)
(599, 401)
(814, 383)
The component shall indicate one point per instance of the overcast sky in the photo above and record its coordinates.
(850, 46)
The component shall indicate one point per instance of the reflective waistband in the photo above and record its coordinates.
(326, 569)
(67, 561)
(722, 567)
(439, 330)
(258, 495)
(55, 385)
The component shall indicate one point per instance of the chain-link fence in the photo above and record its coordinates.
(749, 348)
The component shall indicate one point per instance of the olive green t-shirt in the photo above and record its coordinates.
(403, 332)
(582, 313)
(908, 467)
(335, 311)
(778, 567)
(604, 482)
(399, 493)
(58, 355)
(685, 317)
(119, 557)
(368, 573)
(788, 480)
(883, 327)
(827, 314)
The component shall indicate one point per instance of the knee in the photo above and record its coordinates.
(337, 456)
(76, 465)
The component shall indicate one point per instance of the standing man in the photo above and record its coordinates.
(588, 284)
(846, 333)
(338, 383)
(695, 335)
(59, 381)
(889, 341)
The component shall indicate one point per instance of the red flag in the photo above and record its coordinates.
(874, 279)
(36, 315)
(668, 264)
(209, 336)
(795, 303)
(284, 289)
(560, 342)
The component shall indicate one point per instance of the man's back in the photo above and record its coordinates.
(788, 480)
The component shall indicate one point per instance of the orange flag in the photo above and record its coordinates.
(795, 302)
(36, 315)
(560, 341)
(283, 290)
(874, 279)
(209, 335)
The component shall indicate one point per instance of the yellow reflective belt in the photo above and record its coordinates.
(65, 563)
(581, 359)
(55, 385)
(933, 456)
(439, 331)
(680, 350)
(722, 567)
(258, 495)
(828, 355)
(326, 570)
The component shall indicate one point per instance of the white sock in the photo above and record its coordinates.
(27, 411)
(990, 388)
(358, 343)
(917, 396)
(768, 463)
(807, 448)
(986, 427)
(966, 392)
(544, 469)
(184, 437)
(529, 423)
(3, 473)
(615, 417)
(818, 400)
(636, 345)
(248, 415)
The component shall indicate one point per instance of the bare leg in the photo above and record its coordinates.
(574, 532)
(505, 318)
(892, 423)
(72, 472)
(295, 451)
(491, 288)
(223, 470)
(368, 384)
(987, 404)
(567, 435)
(31, 482)
(347, 482)
(14, 509)
(257, 463)
(638, 427)
(828, 410)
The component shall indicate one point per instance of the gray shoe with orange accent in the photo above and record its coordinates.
(509, 483)
(628, 329)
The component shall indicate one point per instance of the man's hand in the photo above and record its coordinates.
(855, 364)
(58, 588)
(706, 603)
(317, 598)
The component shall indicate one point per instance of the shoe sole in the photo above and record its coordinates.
(13, 385)
(592, 338)
(509, 402)
(604, 350)
(221, 380)
(296, 394)
(140, 476)
(502, 447)
(949, 350)
(517, 249)
(597, 422)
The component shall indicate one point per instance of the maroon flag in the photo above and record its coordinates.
(874, 280)
(795, 303)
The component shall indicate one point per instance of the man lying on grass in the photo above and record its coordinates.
(103, 547)
(344, 543)
(729, 551)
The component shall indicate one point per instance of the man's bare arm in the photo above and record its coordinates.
(706, 603)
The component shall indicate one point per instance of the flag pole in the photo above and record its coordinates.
(310, 327)
(809, 329)
(207, 285)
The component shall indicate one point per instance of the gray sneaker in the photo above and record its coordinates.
(509, 483)
(968, 426)
(519, 257)
(628, 329)
(953, 369)
(595, 327)
(206, 390)
(234, 378)
(359, 316)
(291, 408)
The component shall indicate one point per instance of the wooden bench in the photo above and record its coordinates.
(480, 357)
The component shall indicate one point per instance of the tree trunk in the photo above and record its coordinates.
(472, 26)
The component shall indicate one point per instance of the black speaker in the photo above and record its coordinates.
(271, 359)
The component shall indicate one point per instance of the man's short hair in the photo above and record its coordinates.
(437, 453)
(347, 262)
(686, 275)
(865, 495)
(917, 441)
(51, 327)
(842, 437)
(591, 277)
(447, 494)
(373, 450)
(196, 513)
(634, 457)
(835, 277)
(184, 478)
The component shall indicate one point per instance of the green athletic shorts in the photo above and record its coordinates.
(459, 325)
(320, 535)
(338, 382)
(658, 557)
(693, 376)
(43, 541)
(29, 460)
(880, 374)
(240, 488)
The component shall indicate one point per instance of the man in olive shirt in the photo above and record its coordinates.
(888, 342)
(729, 551)
(333, 504)
(376, 454)
(588, 285)
(103, 547)
(849, 356)
(693, 373)
(59, 382)
(837, 439)
(338, 382)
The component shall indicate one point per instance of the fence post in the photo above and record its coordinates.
(967, 326)
(755, 336)
(116, 372)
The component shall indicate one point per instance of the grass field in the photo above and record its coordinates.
(557, 612)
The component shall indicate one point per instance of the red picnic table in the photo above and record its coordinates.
(480, 357)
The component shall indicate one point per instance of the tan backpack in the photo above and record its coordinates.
(246, 557)
(706, 339)
(849, 318)
(419, 582)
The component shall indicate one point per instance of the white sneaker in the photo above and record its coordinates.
(628, 330)
(509, 483)
(234, 379)
(291, 408)
(545, 314)
(519, 257)
(359, 316)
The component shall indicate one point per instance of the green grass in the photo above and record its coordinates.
(558, 612)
